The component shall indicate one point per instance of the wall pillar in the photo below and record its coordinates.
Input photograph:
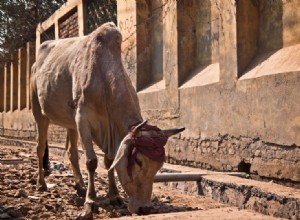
(21, 78)
(56, 29)
(81, 10)
(38, 39)
(14, 83)
(30, 59)
(170, 56)
(228, 44)
(127, 18)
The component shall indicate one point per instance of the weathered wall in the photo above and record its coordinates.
(68, 25)
(227, 71)
(230, 76)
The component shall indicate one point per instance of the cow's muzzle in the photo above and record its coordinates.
(145, 210)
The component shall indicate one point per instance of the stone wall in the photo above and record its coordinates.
(68, 25)
(228, 71)
(230, 75)
(243, 154)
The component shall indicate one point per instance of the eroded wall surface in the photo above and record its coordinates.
(230, 76)
(228, 71)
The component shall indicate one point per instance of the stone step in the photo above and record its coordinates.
(264, 197)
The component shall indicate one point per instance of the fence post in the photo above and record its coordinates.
(21, 78)
(56, 29)
(30, 59)
(81, 10)
(2, 88)
(38, 38)
(14, 83)
(6, 87)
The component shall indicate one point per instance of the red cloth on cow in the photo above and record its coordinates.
(152, 147)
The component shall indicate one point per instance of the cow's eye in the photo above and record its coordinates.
(138, 162)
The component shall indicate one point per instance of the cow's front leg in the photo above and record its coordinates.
(91, 165)
(113, 192)
(72, 151)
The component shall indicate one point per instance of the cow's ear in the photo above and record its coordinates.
(123, 151)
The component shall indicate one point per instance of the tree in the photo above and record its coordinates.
(18, 21)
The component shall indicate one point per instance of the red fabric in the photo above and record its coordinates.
(152, 147)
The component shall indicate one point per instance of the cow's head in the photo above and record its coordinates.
(140, 155)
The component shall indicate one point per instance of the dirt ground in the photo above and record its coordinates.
(19, 198)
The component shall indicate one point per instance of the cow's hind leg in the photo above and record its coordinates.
(42, 146)
(43, 154)
(113, 192)
(72, 151)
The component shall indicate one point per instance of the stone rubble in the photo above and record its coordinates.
(19, 198)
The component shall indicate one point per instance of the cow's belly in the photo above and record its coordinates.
(56, 102)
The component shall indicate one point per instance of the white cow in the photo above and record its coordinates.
(80, 83)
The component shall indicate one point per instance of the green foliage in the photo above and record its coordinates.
(99, 12)
(18, 21)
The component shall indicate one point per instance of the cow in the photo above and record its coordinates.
(80, 83)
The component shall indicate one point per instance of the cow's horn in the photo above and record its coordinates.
(173, 131)
(123, 151)
(136, 128)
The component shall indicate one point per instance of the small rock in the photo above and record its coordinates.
(51, 185)
(7, 208)
(124, 212)
(58, 166)
(24, 209)
(155, 199)
(165, 200)
(189, 208)
(106, 202)
(34, 197)
(13, 186)
(5, 216)
(49, 207)
(35, 217)
(3, 200)
(45, 215)
(32, 181)
(14, 213)
(21, 193)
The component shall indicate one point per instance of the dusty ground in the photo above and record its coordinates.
(20, 200)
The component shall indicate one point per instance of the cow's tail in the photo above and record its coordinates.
(46, 158)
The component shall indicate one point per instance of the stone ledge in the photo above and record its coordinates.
(284, 60)
(266, 198)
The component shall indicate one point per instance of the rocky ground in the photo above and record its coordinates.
(19, 198)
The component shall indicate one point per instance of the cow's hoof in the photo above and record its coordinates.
(88, 210)
(85, 216)
(80, 190)
(41, 187)
(116, 201)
